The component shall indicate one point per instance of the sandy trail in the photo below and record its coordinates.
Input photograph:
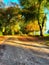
(18, 52)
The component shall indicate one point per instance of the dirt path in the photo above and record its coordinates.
(17, 52)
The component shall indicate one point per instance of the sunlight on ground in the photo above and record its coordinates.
(30, 45)
(21, 49)
(14, 41)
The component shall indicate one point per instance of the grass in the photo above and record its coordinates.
(1, 33)
(44, 40)
(47, 43)
(46, 34)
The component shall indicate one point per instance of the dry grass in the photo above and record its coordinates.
(41, 40)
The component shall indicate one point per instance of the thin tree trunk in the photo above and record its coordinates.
(13, 32)
(41, 33)
(40, 28)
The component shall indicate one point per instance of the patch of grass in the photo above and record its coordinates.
(46, 34)
(47, 43)
(1, 33)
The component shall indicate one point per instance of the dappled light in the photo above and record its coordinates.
(24, 36)
(23, 52)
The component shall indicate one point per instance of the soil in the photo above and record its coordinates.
(15, 51)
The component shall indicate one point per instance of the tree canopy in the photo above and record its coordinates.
(35, 10)
(22, 14)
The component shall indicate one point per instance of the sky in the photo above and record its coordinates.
(47, 23)
(46, 11)
(1, 0)
(7, 1)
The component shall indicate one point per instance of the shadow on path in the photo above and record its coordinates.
(16, 55)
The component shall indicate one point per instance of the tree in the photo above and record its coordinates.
(2, 19)
(11, 17)
(35, 10)
(13, 4)
(32, 26)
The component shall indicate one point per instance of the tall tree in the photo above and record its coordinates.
(12, 16)
(2, 19)
(34, 9)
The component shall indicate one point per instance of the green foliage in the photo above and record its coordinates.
(1, 33)
(35, 10)
(14, 19)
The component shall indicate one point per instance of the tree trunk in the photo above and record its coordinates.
(41, 33)
(13, 32)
